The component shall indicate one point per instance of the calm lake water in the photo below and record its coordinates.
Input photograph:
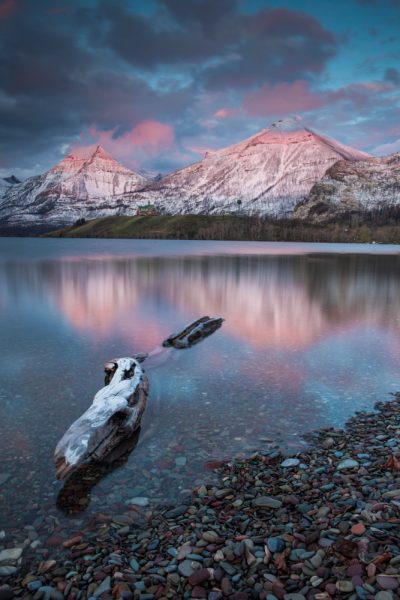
(312, 335)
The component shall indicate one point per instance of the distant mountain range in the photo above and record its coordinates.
(282, 171)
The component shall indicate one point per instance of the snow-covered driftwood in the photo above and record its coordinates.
(117, 408)
(193, 333)
(114, 415)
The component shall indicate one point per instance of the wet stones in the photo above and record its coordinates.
(311, 533)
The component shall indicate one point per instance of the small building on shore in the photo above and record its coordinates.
(147, 210)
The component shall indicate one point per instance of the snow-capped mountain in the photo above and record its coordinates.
(85, 184)
(266, 174)
(346, 188)
(269, 173)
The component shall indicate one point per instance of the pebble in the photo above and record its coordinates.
(175, 512)
(139, 501)
(358, 529)
(344, 586)
(275, 544)
(267, 502)
(105, 586)
(254, 529)
(387, 582)
(384, 596)
(349, 463)
(10, 554)
(290, 462)
(48, 592)
(185, 568)
(7, 570)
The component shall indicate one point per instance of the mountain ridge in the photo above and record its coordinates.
(269, 174)
(353, 188)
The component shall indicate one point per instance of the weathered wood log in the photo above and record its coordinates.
(117, 408)
(193, 333)
(115, 414)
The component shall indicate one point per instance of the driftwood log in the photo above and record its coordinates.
(193, 333)
(117, 408)
(114, 415)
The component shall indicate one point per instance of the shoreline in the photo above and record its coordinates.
(353, 228)
(324, 523)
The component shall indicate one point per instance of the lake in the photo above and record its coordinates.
(311, 335)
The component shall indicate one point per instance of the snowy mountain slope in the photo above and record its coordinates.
(371, 184)
(85, 184)
(6, 183)
(269, 173)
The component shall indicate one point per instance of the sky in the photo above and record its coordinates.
(159, 82)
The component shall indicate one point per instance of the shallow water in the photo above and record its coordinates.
(312, 334)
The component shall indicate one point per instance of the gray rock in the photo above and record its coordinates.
(290, 462)
(139, 501)
(267, 502)
(180, 461)
(105, 586)
(275, 544)
(134, 564)
(344, 586)
(49, 592)
(175, 512)
(348, 463)
(10, 554)
(4, 571)
(34, 585)
(384, 596)
(185, 568)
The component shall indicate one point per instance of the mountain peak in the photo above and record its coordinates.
(88, 153)
(101, 153)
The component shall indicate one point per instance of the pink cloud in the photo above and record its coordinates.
(225, 113)
(283, 98)
(152, 135)
(147, 139)
(286, 98)
(7, 7)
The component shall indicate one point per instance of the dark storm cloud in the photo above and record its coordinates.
(275, 45)
(54, 85)
(170, 37)
(65, 67)
(236, 49)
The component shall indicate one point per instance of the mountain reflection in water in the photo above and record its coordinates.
(307, 341)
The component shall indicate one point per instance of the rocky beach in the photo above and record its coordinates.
(321, 524)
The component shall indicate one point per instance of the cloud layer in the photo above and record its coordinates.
(157, 82)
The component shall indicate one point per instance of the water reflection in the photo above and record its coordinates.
(267, 301)
(74, 496)
(307, 340)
